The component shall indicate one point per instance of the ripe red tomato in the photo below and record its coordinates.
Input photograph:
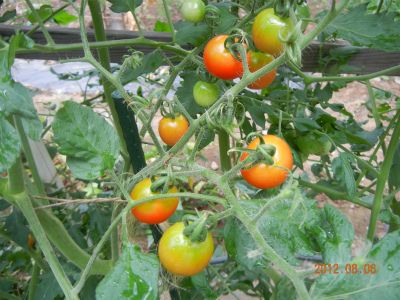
(172, 129)
(180, 256)
(155, 211)
(205, 94)
(256, 62)
(219, 61)
(265, 176)
(193, 10)
(266, 29)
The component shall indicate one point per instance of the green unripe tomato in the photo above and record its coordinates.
(314, 144)
(205, 94)
(193, 10)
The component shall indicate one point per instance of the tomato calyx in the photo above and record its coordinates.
(196, 228)
(236, 43)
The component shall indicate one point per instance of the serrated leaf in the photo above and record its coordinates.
(283, 226)
(48, 288)
(191, 34)
(379, 31)
(344, 173)
(197, 287)
(8, 15)
(87, 139)
(135, 276)
(9, 145)
(226, 18)
(64, 18)
(208, 137)
(44, 12)
(16, 228)
(185, 93)
(338, 235)
(384, 283)
(16, 99)
(162, 27)
(305, 124)
(120, 6)
(148, 64)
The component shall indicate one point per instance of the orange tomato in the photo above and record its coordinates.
(257, 61)
(265, 176)
(172, 129)
(180, 256)
(219, 61)
(155, 211)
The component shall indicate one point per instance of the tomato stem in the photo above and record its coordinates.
(384, 175)
(224, 145)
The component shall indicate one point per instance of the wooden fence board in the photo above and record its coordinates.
(362, 62)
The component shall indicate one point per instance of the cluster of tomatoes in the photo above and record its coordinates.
(177, 252)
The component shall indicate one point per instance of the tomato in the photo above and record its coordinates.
(265, 176)
(172, 129)
(193, 10)
(155, 211)
(205, 94)
(314, 144)
(180, 256)
(257, 61)
(266, 29)
(219, 61)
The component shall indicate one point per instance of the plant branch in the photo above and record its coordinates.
(384, 174)
(46, 34)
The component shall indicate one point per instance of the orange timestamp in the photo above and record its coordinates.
(350, 269)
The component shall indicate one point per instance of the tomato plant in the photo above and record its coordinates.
(172, 129)
(264, 176)
(252, 151)
(268, 31)
(205, 94)
(193, 10)
(180, 256)
(219, 61)
(155, 211)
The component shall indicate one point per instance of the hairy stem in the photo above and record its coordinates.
(223, 142)
(384, 174)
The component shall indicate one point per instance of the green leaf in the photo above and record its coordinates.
(305, 124)
(162, 27)
(192, 34)
(64, 18)
(227, 20)
(394, 176)
(344, 173)
(197, 287)
(87, 139)
(16, 99)
(208, 137)
(336, 236)
(48, 287)
(148, 64)
(185, 93)
(384, 284)
(9, 145)
(121, 6)
(135, 276)
(379, 31)
(283, 226)
(8, 15)
(16, 228)
(44, 12)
